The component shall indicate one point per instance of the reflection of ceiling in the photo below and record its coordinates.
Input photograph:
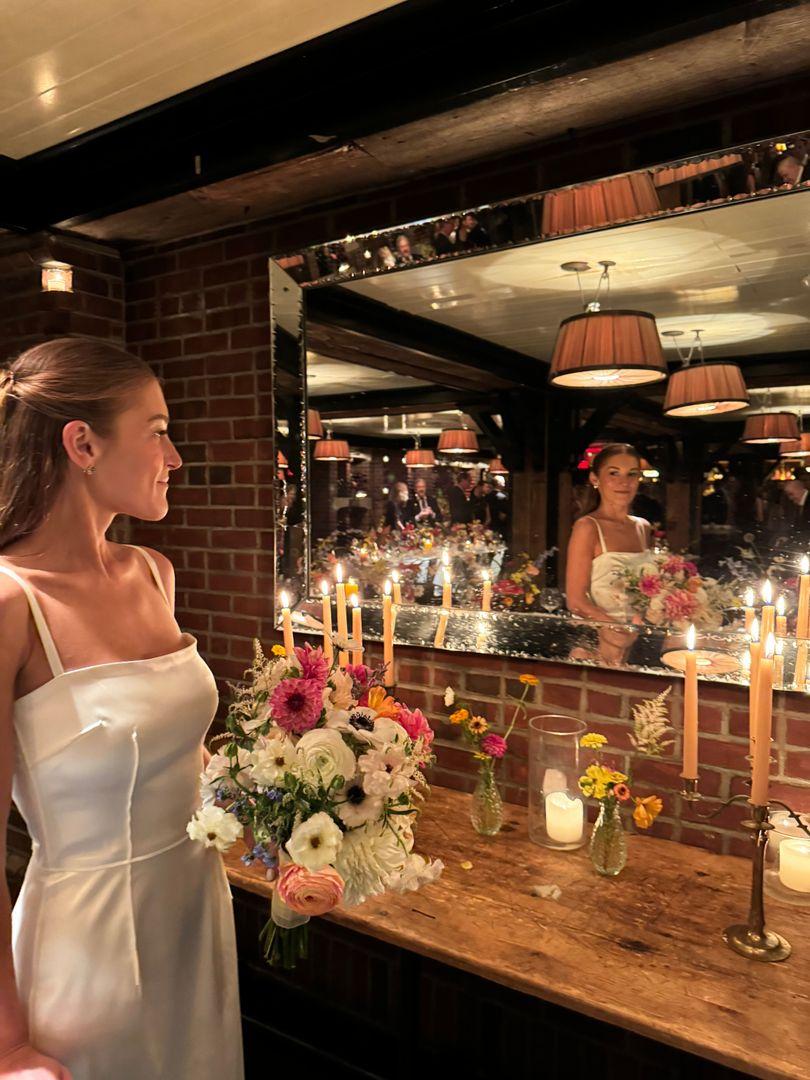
(66, 69)
(735, 272)
(328, 376)
(426, 424)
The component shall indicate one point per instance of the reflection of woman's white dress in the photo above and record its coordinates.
(124, 945)
(606, 592)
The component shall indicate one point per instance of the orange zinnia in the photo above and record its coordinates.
(381, 703)
(647, 810)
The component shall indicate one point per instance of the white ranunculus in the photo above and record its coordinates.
(367, 859)
(271, 759)
(387, 732)
(214, 827)
(315, 843)
(449, 697)
(324, 755)
(416, 872)
(216, 776)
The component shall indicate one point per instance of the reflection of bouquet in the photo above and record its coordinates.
(325, 770)
(519, 587)
(668, 591)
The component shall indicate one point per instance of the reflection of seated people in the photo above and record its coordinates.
(385, 258)
(444, 239)
(790, 167)
(402, 251)
(398, 510)
(424, 509)
(605, 540)
(464, 509)
(471, 233)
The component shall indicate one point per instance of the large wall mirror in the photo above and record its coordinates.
(445, 393)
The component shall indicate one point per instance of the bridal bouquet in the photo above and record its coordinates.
(324, 771)
(669, 592)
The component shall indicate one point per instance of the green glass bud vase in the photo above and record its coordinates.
(487, 806)
(608, 840)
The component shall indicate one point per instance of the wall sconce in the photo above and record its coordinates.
(57, 277)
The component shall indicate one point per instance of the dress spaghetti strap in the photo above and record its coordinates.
(39, 621)
(599, 530)
(155, 572)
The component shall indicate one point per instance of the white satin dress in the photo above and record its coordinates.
(123, 934)
(606, 591)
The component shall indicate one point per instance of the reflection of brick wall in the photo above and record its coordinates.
(604, 699)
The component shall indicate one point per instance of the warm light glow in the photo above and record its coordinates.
(395, 576)
(387, 588)
(285, 600)
(353, 600)
(745, 662)
(447, 578)
(339, 573)
(754, 631)
(445, 557)
(767, 592)
(780, 605)
(749, 597)
(804, 565)
(485, 575)
(770, 646)
(324, 586)
(780, 646)
(690, 638)
(57, 277)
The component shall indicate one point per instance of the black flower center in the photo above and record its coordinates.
(296, 701)
(315, 842)
(361, 722)
(355, 795)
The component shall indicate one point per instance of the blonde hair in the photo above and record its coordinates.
(41, 390)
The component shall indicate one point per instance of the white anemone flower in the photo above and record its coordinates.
(271, 759)
(357, 806)
(324, 755)
(387, 773)
(387, 732)
(214, 827)
(315, 843)
(216, 776)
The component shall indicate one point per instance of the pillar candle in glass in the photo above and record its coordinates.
(286, 624)
(761, 766)
(749, 609)
(486, 595)
(447, 591)
(357, 629)
(754, 651)
(803, 613)
(556, 805)
(768, 620)
(342, 622)
(397, 587)
(441, 628)
(690, 709)
(326, 607)
(794, 863)
(388, 636)
(781, 617)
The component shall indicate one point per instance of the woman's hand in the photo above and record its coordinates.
(26, 1063)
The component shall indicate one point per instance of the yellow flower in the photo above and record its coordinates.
(618, 778)
(647, 810)
(528, 680)
(593, 741)
(478, 725)
(481, 757)
(594, 782)
(278, 650)
(459, 716)
(381, 703)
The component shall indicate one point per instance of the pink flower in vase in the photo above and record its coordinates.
(313, 663)
(649, 585)
(493, 745)
(415, 724)
(690, 568)
(680, 605)
(296, 704)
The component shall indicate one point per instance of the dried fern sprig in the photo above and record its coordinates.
(651, 726)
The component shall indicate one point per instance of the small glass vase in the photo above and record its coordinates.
(608, 841)
(486, 813)
(557, 816)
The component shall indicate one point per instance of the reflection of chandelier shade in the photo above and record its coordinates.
(419, 459)
(458, 441)
(796, 447)
(705, 389)
(314, 424)
(770, 427)
(607, 350)
(497, 468)
(589, 206)
(281, 460)
(329, 449)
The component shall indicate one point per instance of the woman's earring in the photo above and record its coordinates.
(89, 470)
(595, 485)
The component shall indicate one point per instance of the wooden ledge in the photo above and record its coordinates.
(643, 951)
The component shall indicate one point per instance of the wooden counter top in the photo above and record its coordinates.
(643, 951)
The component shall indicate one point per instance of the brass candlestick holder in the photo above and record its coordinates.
(751, 938)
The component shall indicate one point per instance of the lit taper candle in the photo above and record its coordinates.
(388, 636)
(326, 609)
(803, 614)
(342, 622)
(755, 652)
(749, 609)
(690, 709)
(781, 617)
(486, 595)
(357, 629)
(447, 590)
(397, 584)
(286, 625)
(768, 622)
(761, 766)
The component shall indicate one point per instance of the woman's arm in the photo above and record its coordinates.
(578, 573)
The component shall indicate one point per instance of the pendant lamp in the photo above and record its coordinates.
(606, 350)
(796, 448)
(774, 427)
(417, 458)
(458, 441)
(497, 468)
(314, 424)
(329, 449)
(703, 389)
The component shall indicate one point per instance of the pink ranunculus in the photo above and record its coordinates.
(679, 605)
(360, 673)
(649, 584)
(690, 568)
(415, 724)
(310, 892)
(313, 663)
(493, 745)
(296, 704)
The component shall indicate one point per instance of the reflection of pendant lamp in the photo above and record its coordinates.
(497, 468)
(771, 427)
(314, 424)
(329, 449)
(796, 447)
(589, 206)
(606, 350)
(417, 458)
(458, 441)
(282, 465)
(703, 389)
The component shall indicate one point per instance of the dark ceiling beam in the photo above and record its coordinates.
(234, 124)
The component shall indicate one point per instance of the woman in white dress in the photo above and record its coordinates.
(119, 961)
(604, 541)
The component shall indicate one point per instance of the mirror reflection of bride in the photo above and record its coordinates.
(606, 539)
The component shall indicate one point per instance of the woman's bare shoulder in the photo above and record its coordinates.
(164, 565)
(584, 526)
(14, 622)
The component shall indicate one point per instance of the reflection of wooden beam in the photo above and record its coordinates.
(394, 402)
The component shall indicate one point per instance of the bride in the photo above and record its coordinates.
(605, 540)
(119, 961)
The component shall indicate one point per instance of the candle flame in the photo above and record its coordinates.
(805, 565)
(767, 592)
(447, 578)
(690, 638)
(387, 587)
(749, 597)
(754, 631)
(285, 600)
(780, 646)
(770, 646)
(338, 573)
(485, 575)
(780, 605)
(324, 586)
(353, 600)
(395, 576)
(445, 557)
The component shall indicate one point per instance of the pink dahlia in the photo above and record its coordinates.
(675, 564)
(690, 568)
(313, 663)
(415, 724)
(360, 673)
(680, 605)
(650, 584)
(296, 704)
(493, 745)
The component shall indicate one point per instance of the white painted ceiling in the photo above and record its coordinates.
(67, 68)
(328, 376)
(421, 423)
(734, 272)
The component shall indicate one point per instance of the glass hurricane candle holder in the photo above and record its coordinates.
(557, 816)
(787, 869)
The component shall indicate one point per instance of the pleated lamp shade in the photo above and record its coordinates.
(281, 460)
(771, 428)
(329, 449)
(706, 389)
(419, 459)
(314, 424)
(607, 350)
(497, 468)
(458, 441)
(796, 447)
(589, 206)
